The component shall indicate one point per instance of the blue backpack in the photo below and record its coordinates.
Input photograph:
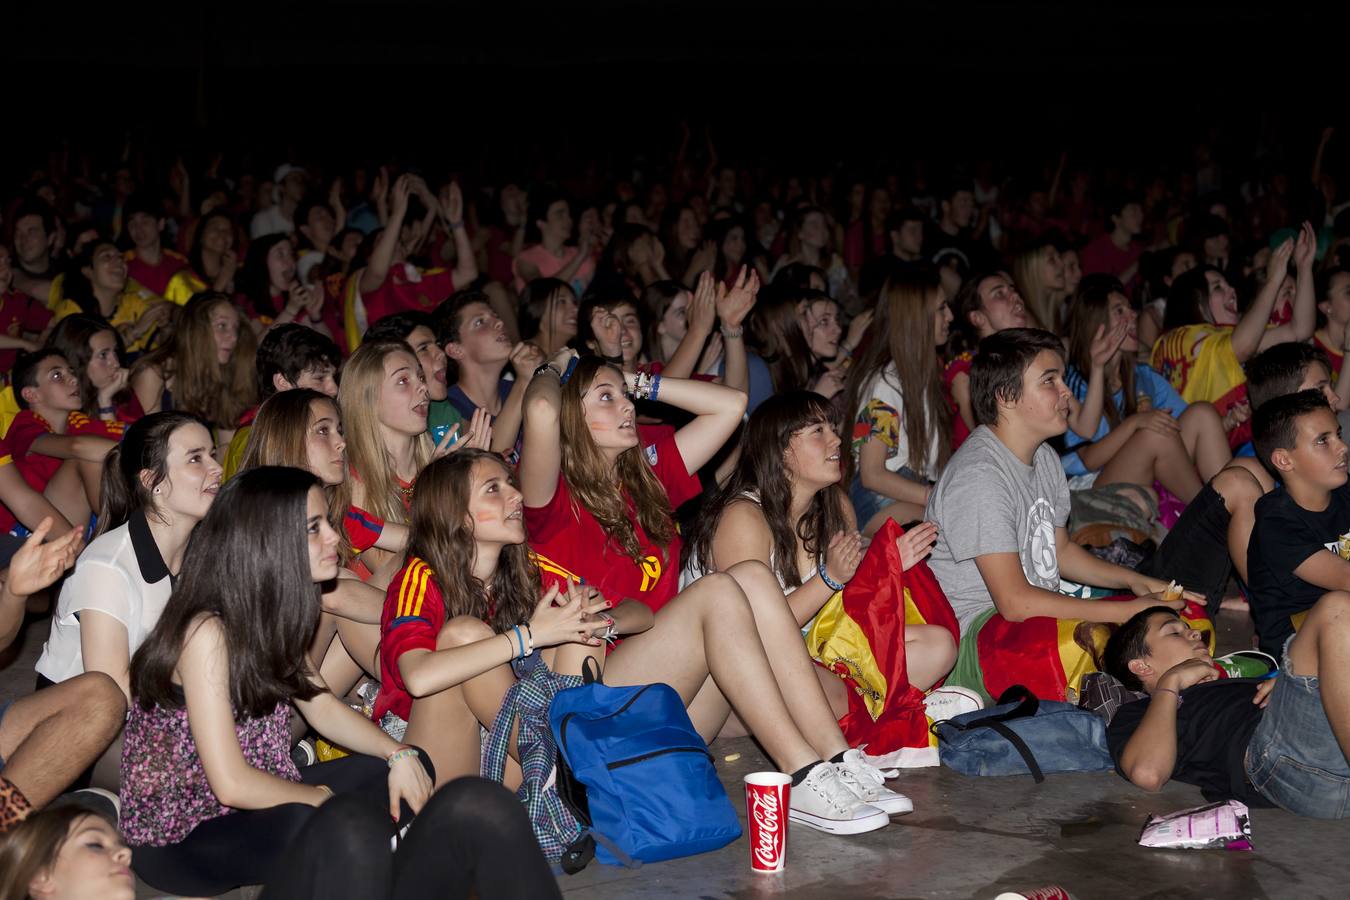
(633, 769)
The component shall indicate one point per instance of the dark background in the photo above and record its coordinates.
(498, 86)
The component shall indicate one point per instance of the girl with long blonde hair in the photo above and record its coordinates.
(383, 401)
(1039, 275)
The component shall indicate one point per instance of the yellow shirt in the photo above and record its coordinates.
(234, 455)
(182, 286)
(134, 303)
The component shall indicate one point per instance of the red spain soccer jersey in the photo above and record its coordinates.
(155, 278)
(414, 612)
(407, 288)
(36, 469)
(79, 423)
(567, 534)
(20, 314)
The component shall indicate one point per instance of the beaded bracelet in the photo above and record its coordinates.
(829, 582)
(401, 753)
(732, 333)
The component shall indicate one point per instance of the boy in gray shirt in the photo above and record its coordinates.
(1002, 503)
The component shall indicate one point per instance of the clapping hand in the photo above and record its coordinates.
(36, 565)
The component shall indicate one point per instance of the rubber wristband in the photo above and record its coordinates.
(829, 582)
(571, 367)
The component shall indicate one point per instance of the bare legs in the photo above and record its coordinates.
(345, 660)
(1322, 649)
(710, 628)
(1205, 440)
(1181, 462)
(445, 723)
(901, 511)
(48, 738)
(1241, 485)
(930, 653)
(66, 491)
(1148, 456)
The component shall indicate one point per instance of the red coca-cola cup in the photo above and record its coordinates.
(766, 814)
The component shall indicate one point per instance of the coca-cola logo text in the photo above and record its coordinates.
(764, 810)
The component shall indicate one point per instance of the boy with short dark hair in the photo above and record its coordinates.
(289, 356)
(1295, 555)
(1002, 504)
(48, 391)
(477, 344)
(1280, 741)
(149, 262)
(1287, 368)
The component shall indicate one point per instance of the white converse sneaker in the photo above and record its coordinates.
(825, 803)
(865, 780)
(949, 702)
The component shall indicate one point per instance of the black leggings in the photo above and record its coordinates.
(251, 846)
(472, 835)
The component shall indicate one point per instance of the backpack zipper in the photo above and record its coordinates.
(655, 753)
(562, 728)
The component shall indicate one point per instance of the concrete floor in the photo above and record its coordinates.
(972, 838)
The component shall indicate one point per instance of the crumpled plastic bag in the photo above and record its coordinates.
(1225, 825)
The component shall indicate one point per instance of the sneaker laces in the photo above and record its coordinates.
(858, 773)
(826, 784)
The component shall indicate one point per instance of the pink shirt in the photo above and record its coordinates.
(550, 265)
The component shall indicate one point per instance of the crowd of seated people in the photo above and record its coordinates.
(293, 457)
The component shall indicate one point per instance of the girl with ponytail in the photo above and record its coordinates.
(157, 485)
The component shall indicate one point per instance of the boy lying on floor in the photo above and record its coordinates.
(1281, 741)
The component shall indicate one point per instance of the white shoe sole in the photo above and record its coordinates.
(895, 807)
(840, 826)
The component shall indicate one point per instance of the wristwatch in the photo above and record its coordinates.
(548, 367)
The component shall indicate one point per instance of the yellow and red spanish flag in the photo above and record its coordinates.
(860, 636)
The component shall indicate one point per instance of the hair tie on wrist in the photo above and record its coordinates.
(829, 582)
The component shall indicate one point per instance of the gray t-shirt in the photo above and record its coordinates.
(988, 501)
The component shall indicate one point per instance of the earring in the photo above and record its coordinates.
(156, 490)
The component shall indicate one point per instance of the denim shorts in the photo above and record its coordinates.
(867, 503)
(1293, 758)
